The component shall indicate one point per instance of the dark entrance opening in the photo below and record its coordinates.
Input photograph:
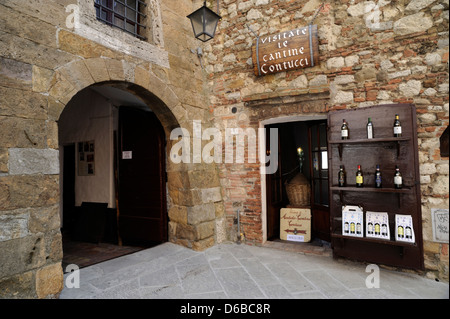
(113, 176)
(311, 136)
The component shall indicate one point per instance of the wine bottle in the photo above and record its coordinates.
(400, 232)
(341, 176)
(370, 228)
(359, 177)
(398, 183)
(397, 127)
(378, 177)
(346, 230)
(344, 130)
(369, 128)
(377, 229)
(383, 230)
(408, 232)
(352, 228)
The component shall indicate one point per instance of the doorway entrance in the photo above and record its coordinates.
(113, 176)
(311, 136)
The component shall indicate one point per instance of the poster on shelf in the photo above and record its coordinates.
(404, 230)
(377, 225)
(352, 221)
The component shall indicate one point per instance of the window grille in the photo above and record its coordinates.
(126, 15)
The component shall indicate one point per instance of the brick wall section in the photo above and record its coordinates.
(371, 52)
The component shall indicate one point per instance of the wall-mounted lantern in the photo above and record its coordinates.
(204, 22)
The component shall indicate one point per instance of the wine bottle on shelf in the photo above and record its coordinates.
(378, 177)
(359, 177)
(344, 130)
(341, 176)
(398, 182)
(397, 127)
(369, 128)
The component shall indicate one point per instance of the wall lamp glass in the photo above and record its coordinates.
(204, 22)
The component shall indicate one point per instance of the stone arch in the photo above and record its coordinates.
(196, 214)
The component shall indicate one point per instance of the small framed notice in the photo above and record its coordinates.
(440, 221)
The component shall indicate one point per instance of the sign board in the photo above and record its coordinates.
(440, 220)
(289, 50)
(295, 224)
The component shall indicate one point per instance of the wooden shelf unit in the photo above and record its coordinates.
(387, 151)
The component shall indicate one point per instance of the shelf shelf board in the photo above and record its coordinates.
(375, 240)
(372, 189)
(372, 140)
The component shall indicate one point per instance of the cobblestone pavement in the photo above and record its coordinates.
(232, 271)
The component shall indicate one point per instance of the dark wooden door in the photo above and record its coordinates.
(69, 186)
(274, 191)
(142, 191)
(320, 209)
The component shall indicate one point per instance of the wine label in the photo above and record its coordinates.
(359, 179)
(369, 132)
(398, 180)
(344, 133)
(397, 130)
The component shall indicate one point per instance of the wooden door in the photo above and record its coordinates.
(274, 192)
(320, 210)
(69, 186)
(141, 171)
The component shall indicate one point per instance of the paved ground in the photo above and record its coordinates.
(231, 271)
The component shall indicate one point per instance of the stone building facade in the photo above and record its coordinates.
(371, 52)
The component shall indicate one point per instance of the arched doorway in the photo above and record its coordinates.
(113, 172)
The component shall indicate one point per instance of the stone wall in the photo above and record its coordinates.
(46, 58)
(371, 52)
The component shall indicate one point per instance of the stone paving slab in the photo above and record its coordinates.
(232, 271)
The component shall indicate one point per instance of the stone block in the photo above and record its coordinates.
(410, 88)
(115, 69)
(201, 245)
(205, 230)
(178, 214)
(77, 74)
(29, 191)
(21, 286)
(20, 132)
(4, 158)
(44, 219)
(21, 255)
(14, 225)
(22, 103)
(417, 22)
(211, 195)
(62, 89)
(41, 79)
(335, 63)
(49, 281)
(26, 161)
(97, 69)
(15, 74)
(201, 213)
(80, 46)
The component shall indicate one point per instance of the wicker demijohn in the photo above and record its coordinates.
(298, 191)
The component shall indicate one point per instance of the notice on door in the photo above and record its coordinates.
(295, 224)
(127, 154)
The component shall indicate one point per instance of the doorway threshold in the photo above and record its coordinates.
(315, 247)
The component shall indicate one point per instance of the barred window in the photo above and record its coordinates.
(127, 15)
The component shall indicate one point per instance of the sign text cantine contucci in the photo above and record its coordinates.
(290, 50)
